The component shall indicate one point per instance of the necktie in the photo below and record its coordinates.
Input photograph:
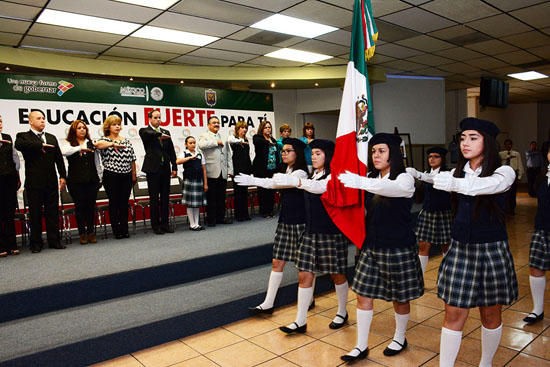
(160, 141)
(508, 159)
(41, 136)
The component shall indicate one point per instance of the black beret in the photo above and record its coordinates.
(296, 143)
(471, 123)
(323, 144)
(438, 150)
(385, 138)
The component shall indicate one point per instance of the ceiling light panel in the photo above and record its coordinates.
(296, 55)
(72, 20)
(172, 35)
(529, 75)
(294, 26)
(157, 4)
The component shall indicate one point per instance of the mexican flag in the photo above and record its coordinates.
(355, 127)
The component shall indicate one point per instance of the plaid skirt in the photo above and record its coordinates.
(287, 238)
(193, 193)
(539, 252)
(477, 274)
(391, 274)
(434, 227)
(323, 253)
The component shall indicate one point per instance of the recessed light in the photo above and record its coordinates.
(529, 75)
(272, 85)
(316, 84)
(294, 26)
(171, 35)
(72, 20)
(131, 79)
(7, 68)
(157, 4)
(297, 55)
(181, 81)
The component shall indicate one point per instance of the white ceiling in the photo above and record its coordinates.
(460, 40)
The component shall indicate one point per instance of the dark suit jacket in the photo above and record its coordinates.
(39, 166)
(261, 147)
(154, 150)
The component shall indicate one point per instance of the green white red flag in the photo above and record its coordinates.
(355, 127)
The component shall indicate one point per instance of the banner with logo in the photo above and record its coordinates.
(184, 110)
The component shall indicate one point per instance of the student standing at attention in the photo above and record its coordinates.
(478, 269)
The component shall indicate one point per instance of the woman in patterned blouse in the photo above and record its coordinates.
(265, 165)
(119, 173)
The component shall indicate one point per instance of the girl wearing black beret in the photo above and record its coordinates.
(323, 248)
(388, 267)
(539, 254)
(291, 224)
(478, 269)
(434, 221)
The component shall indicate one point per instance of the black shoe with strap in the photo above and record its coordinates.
(298, 329)
(258, 310)
(337, 325)
(533, 317)
(361, 355)
(388, 352)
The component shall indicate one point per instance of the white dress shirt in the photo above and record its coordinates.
(314, 184)
(401, 187)
(429, 177)
(473, 185)
(269, 183)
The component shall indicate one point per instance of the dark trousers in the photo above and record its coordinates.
(158, 185)
(84, 196)
(532, 173)
(8, 203)
(47, 198)
(118, 187)
(241, 201)
(215, 198)
(511, 198)
(266, 197)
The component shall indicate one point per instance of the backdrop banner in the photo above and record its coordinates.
(184, 110)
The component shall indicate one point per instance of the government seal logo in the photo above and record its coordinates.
(157, 93)
(210, 97)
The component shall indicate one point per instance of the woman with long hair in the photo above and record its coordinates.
(195, 182)
(83, 178)
(539, 252)
(388, 267)
(240, 153)
(323, 248)
(265, 165)
(478, 269)
(434, 221)
(119, 173)
(308, 135)
(291, 224)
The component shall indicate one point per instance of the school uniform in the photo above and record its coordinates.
(388, 267)
(193, 195)
(478, 269)
(323, 248)
(434, 221)
(539, 251)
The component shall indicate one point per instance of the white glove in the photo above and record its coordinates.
(446, 182)
(413, 172)
(282, 179)
(243, 180)
(354, 181)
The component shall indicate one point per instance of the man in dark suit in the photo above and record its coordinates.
(159, 155)
(42, 154)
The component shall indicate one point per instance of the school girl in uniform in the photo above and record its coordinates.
(478, 269)
(388, 267)
(434, 221)
(323, 248)
(195, 183)
(291, 224)
(539, 253)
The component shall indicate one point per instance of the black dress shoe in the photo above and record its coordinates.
(57, 246)
(158, 231)
(298, 329)
(533, 317)
(338, 325)
(167, 230)
(392, 352)
(247, 218)
(126, 235)
(225, 221)
(210, 224)
(118, 237)
(36, 250)
(311, 305)
(361, 355)
(253, 311)
(194, 228)
(201, 228)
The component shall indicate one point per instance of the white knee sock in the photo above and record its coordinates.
(449, 347)
(489, 344)
(364, 319)
(537, 292)
(423, 262)
(342, 293)
(400, 329)
(272, 288)
(304, 299)
(192, 215)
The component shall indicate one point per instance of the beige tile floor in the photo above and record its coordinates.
(256, 341)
